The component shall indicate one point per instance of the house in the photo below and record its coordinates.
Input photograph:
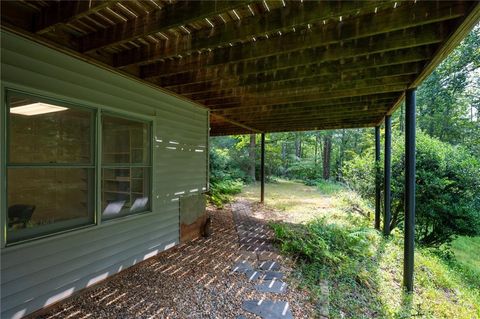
(107, 108)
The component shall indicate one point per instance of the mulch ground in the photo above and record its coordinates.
(193, 280)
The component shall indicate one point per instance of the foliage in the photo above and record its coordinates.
(447, 188)
(225, 179)
(329, 187)
(330, 244)
(221, 191)
(465, 259)
(364, 270)
(448, 100)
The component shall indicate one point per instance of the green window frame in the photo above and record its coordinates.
(126, 176)
(95, 166)
(18, 224)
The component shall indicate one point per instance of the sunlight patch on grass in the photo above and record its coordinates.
(363, 268)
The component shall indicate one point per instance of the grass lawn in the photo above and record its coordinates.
(467, 252)
(329, 231)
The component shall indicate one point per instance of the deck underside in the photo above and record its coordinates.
(260, 66)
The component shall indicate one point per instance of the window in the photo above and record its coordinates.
(125, 166)
(52, 164)
(50, 167)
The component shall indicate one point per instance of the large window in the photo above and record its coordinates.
(125, 166)
(50, 167)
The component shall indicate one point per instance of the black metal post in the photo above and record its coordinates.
(387, 169)
(262, 170)
(377, 177)
(409, 245)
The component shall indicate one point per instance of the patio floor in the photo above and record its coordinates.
(195, 280)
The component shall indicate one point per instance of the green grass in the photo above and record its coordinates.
(467, 253)
(328, 187)
(332, 238)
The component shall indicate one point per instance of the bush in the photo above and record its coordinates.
(340, 247)
(221, 192)
(304, 170)
(447, 188)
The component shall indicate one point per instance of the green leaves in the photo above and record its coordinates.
(447, 188)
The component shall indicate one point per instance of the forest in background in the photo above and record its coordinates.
(448, 153)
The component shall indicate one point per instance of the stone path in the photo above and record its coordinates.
(261, 265)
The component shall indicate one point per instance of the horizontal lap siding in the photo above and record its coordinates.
(42, 272)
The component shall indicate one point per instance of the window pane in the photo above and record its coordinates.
(125, 141)
(45, 200)
(125, 191)
(40, 132)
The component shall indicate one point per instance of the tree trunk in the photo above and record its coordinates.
(327, 150)
(317, 140)
(298, 146)
(402, 129)
(251, 155)
(341, 155)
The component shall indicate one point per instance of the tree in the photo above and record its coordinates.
(447, 188)
(252, 153)
(327, 152)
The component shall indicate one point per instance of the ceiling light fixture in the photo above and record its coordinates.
(36, 109)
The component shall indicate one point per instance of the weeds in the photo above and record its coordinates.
(364, 269)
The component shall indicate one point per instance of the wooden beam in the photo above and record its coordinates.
(193, 81)
(305, 82)
(307, 119)
(445, 49)
(359, 88)
(294, 14)
(403, 20)
(411, 38)
(301, 71)
(250, 129)
(174, 15)
(16, 14)
(452, 42)
(330, 112)
(315, 107)
(395, 88)
(62, 12)
(313, 127)
(317, 125)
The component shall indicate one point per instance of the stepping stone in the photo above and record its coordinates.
(267, 309)
(323, 302)
(250, 255)
(253, 274)
(268, 255)
(275, 286)
(269, 275)
(242, 266)
(270, 265)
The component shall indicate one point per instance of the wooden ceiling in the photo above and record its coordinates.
(260, 66)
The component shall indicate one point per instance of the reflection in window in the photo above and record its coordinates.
(50, 177)
(126, 167)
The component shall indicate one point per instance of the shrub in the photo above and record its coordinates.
(304, 170)
(337, 246)
(447, 188)
(221, 192)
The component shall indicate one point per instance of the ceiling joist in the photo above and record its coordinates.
(285, 66)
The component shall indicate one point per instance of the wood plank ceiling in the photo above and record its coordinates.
(260, 66)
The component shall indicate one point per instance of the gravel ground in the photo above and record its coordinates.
(190, 281)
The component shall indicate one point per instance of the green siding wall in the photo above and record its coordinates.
(41, 272)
